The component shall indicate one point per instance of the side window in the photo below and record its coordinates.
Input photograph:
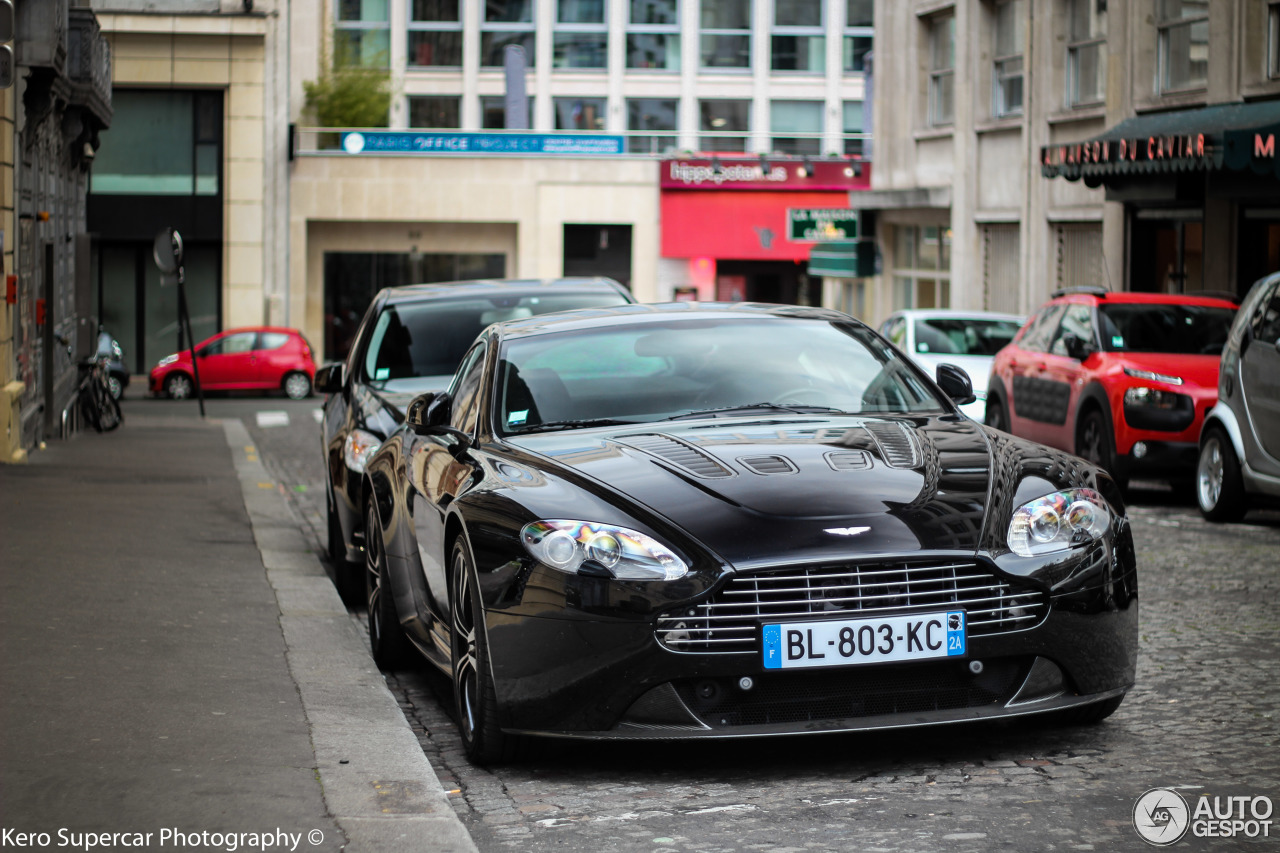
(896, 333)
(1042, 329)
(240, 343)
(1076, 321)
(1266, 321)
(465, 391)
(273, 340)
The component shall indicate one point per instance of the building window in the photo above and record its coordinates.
(1182, 39)
(1007, 71)
(851, 298)
(581, 35)
(645, 115)
(852, 127)
(506, 22)
(1001, 251)
(726, 34)
(857, 34)
(1273, 39)
(362, 33)
(435, 34)
(436, 111)
(922, 267)
(725, 117)
(942, 70)
(161, 143)
(1087, 53)
(798, 42)
(653, 35)
(579, 113)
(493, 111)
(1079, 261)
(796, 117)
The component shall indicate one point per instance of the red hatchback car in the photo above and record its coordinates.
(1122, 379)
(262, 357)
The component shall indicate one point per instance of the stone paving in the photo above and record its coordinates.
(1202, 718)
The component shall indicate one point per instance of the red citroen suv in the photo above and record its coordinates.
(1122, 379)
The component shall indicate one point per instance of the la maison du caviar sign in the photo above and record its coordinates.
(821, 225)
(1191, 149)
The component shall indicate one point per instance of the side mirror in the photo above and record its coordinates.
(956, 384)
(429, 414)
(1076, 346)
(330, 378)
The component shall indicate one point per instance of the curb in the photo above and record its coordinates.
(377, 783)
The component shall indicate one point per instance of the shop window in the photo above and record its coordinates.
(851, 298)
(922, 267)
(858, 34)
(1007, 70)
(726, 34)
(595, 249)
(1086, 53)
(435, 111)
(942, 68)
(796, 117)
(362, 33)
(852, 126)
(579, 113)
(1182, 39)
(653, 35)
(725, 124)
(506, 22)
(581, 35)
(161, 143)
(798, 41)
(1001, 256)
(435, 34)
(493, 111)
(645, 115)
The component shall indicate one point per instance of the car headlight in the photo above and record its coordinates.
(1151, 398)
(168, 359)
(1058, 521)
(358, 447)
(627, 554)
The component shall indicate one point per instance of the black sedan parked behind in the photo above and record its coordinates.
(410, 341)
(730, 520)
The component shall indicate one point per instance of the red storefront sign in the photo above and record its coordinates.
(764, 174)
(729, 224)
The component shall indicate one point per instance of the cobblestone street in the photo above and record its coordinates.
(1202, 718)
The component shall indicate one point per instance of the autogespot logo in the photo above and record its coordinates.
(1161, 817)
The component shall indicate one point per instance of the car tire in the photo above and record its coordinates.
(178, 386)
(390, 647)
(1089, 715)
(296, 385)
(474, 697)
(1219, 488)
(997, 416)
(1095, 443)
(347, 576)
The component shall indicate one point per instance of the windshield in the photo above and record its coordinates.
(705, 367)
(412, 340)
(1180, 329)
(963, 336)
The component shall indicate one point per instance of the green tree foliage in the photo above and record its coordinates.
(348, 94)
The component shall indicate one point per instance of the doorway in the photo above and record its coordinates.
(1167, 251)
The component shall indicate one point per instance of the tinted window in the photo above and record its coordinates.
(465, 392)
(415, 339)
(1078, 321)
(273, 340)
(1266, 323)
(231, 344)
(648, 372)
(1041, 329)
(1180, 329)
(959, 336)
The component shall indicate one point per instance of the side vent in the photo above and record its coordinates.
(767, 464)
(849, 460)
(679, 453)
(897, 444)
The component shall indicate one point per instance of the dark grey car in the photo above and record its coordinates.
(1240, 442)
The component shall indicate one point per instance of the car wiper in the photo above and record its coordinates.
(548, 426)
(777, 407)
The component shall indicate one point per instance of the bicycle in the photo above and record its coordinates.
(97, 405)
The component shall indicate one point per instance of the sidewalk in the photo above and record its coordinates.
(173, 659)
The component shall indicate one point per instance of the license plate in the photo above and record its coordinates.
(847, 642)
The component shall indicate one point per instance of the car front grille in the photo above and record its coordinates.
(729, 621)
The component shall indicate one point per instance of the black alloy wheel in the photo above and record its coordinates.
(1095, 443)
(387, 641)
(1218, 486)
(473, 689)
(997, 416)
(178, 386)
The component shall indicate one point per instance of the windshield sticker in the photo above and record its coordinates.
(382, 373)
(1117, 341)
(517, 418)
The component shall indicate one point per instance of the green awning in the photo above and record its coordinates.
(1223, 136)
(843, 259)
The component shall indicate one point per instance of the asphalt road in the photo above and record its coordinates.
(1202, 719)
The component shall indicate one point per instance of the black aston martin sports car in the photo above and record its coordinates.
(715, 520)
(410, 341)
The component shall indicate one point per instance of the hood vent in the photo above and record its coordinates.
(897, 444)
(678, 453)
(849, 460)
(767, 464)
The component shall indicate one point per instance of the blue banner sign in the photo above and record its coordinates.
(416, 142)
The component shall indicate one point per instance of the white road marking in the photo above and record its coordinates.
(272, 419)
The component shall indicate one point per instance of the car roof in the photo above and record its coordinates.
(1143, 298)
(955, 313)
(503, 287)
(642, 314)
